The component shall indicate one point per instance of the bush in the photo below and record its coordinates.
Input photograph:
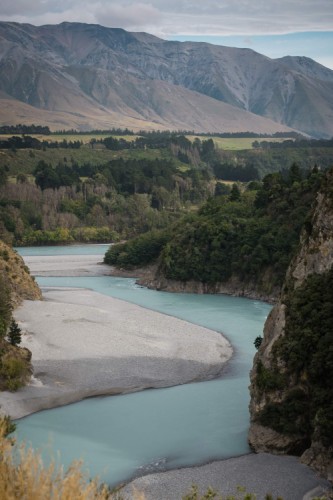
(30, 480)
(137, 252)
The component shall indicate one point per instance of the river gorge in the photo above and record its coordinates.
(148, 431)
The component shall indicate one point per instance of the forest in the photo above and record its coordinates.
(250, 234)
(101, 188)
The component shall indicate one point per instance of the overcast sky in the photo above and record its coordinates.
(272, 27)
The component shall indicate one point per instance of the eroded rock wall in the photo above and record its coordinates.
(278, 390)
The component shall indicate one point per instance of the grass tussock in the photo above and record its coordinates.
(27, 479)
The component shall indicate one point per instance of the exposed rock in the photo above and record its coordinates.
(22, 285)
(15, 362)
(267, 439)
(233, 286)
(272, 380)
(316, 251)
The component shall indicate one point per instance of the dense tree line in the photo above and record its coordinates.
(299, 143)
(28, 142)
(24, 129)
(250, 235)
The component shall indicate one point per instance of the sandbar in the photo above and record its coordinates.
(85, 344)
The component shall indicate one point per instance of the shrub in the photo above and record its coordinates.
(30, 480)
(14, 334)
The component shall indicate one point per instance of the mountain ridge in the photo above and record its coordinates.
(138, 79)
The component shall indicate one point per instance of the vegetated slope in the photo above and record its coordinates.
(89, 76)
(101, 198)
(16, 284)
(291, 380)
(239, 243)
(17, 276)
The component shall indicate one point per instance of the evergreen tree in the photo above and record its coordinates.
(235, 194)
(14, 334)
(5, 305)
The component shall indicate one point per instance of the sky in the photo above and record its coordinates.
(275, 28)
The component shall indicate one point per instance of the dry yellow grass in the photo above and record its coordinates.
(27, 479)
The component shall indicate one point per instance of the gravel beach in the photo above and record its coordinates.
(85, 344)
(261, 473)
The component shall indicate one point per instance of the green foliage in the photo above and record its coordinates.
(257, 342)
(64, 235)
(13, 371)
(268, 380)
(3, 176)
(307, 351)
(289, 416)
(5, 304)
(47, 176)
(14, 333)
(136, 252)
(235, 194)
(247, 236)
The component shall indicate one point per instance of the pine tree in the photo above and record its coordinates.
(14, 334)
(5, 305)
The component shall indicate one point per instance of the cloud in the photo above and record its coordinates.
(180, 17)
(129, 16)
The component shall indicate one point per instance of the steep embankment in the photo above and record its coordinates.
(16, 284)
(22, 285)
(291, 380)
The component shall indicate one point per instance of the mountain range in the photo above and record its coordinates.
(84, 76)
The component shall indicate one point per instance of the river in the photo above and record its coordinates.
(121, 437)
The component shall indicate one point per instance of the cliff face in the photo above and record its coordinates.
(234, 286)
(291, 381)
(16, 284)
(21, 284)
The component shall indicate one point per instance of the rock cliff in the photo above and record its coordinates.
(291, 380)
(22, 285)
(16, 284)
(234, 286)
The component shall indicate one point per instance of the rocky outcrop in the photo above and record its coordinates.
(234, 286)
(22, 285)
(287, 415)
(16, 285)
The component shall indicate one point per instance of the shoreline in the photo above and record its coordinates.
(114, 356)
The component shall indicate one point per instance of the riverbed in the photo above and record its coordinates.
(129, 435)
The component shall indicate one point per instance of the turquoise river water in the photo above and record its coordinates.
(120, 437)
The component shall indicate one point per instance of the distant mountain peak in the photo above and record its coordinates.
(87, 75)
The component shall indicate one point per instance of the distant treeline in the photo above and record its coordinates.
(299, 143)
(169, 133)
(28, 142)
(40, 129)
(24, 129)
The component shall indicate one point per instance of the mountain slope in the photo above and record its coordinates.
(94, 75)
